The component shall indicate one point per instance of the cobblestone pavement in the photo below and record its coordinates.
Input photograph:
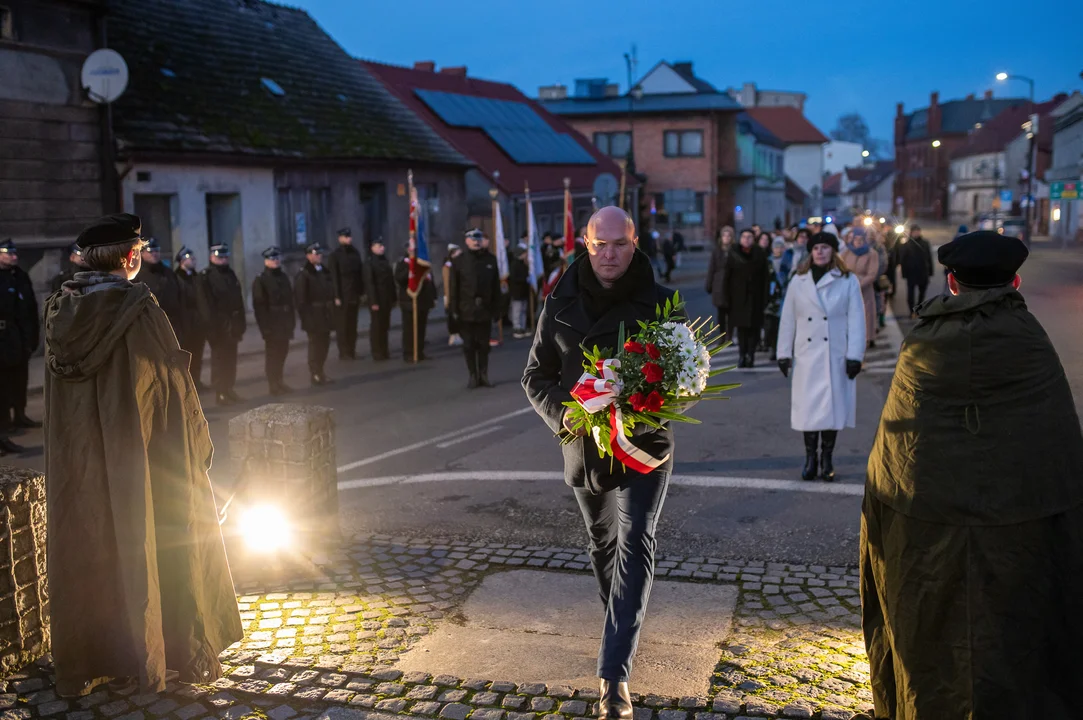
(325, 633)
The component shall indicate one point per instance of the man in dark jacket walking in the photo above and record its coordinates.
(345, 267)
(916, 258)
(221, 308)
(614, 284)
(314, 292)
(475, 302)
(20, 332)
(272, 302)
(380, 289)
(164, 284)
(426, 299)
(193, 337)
(746, 290)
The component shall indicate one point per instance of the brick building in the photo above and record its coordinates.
(925, 141)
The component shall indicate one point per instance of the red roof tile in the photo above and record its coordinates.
(788, 125)
(477, 146)
(833, 184)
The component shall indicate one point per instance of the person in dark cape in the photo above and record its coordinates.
(138, 577)
(972, 523)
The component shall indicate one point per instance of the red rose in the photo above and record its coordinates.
(655, 401)
(652, 352)
(633, 347)
(638, 402)
(652, 372)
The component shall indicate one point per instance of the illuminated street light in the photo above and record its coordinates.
(1002, 76)
(899, 229)
(936, 143)
(864, 153)
(868, 221)
(883, 220)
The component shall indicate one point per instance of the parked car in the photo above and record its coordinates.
(1004, 224)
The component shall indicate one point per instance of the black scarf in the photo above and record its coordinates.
(597, 300)
(818, 271)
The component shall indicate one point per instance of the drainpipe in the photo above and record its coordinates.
(111, 193)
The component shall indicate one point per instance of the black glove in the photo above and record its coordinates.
(853, 367)
(784, 364)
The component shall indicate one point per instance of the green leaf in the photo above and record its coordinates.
(657, 311)
(620, 337)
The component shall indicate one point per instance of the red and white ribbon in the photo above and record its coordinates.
(595, 394)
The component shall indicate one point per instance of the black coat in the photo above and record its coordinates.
(556, 363)
(21, 329)
(519, 279)
(550, 257)
(916, 259)
(379, 281)
(426, 294)
(221, 304)
(314, 293)
(475, 287)
(716, 276)
(272, 302)
(68, 273)
(345, 266)
(746, 286)
(165, 286)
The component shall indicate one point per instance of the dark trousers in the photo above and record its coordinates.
(770, 332)
(379, 325)
(621, 525)
(346, 329)
(194, 342)
(452, 324)
(916, 288)
(20, 385)
(13, 381)
(475, 345)
(274, 360)
(223, 365)
(318, 345)
(747, 340)
(408, 331)
(724, 324)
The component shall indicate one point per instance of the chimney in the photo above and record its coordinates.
(970, 96)
(425, 66)
(934, 99)
(684, 68)
(552, 92)
(898, 109)
(457, 71)
(988, 95)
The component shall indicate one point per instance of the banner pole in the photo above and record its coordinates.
(414, 300)
(493, 192)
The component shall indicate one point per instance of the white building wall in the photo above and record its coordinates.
(805, 166)
(839, 155)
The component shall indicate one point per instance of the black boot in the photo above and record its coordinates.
(751, 362)
(9, 448)
(811, 466)
(615, 702)
(483, 370)
(472, 366)
(223, 399)
(827, 447)
(23, 422)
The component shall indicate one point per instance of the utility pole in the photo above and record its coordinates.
(1030, 152)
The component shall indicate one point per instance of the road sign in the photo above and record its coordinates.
(738, 213)
(1006, 198)
(1062, 190)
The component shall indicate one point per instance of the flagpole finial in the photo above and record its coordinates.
(567, 183)
(527, 187)
(493, 192)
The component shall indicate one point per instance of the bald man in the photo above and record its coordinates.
(613, 283)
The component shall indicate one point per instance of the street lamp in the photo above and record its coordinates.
(864, 153)
(936, 143)
(1003, 77)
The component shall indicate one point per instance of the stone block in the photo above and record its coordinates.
(24, 592)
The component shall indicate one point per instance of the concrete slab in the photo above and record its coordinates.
(538, 626)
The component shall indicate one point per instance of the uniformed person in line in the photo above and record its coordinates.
(345, 266)
(380, 289)
(475, 302)
(75, 264)
(272, 302)
(193, 336)
(20, 332)
(164, 284)
(221, 308)
(314, 293)
(426, 299)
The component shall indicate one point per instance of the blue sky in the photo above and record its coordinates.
(845, 55)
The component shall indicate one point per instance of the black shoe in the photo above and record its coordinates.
(234, 396)
(774, 356)
(751, 362)
(472, 383)
(224, 399)
(872, 344)
(827, 449)
(9, 448)
(811, 465)
(25, 423)
(483, 380)
(615, 702)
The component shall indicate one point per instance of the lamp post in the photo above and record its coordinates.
(1002, 77)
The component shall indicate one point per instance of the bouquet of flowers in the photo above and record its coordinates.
(652, 378)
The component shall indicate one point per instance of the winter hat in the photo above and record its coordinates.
(824, 238)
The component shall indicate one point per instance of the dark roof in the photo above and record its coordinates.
(764, 136)
(958, 117)
(684, 69)
(794, 193)
(669, 103)
(833, 184)
(788, 125)
(249, 78)
(854, 174)
(995, 134)
(480, 147)
(876, 175)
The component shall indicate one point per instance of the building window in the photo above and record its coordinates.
(661, 215)
(683, 143)
(302, 216)
(613, 144)
(7, 31)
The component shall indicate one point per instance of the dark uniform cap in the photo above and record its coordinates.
(184, 252)
(8, 246)
(75, 250)
(475, 234)
(824, 238)
(983, 259)
(345, 232)
(272, 253)
(152, 245)
(313, 248)
(220, 250)
(110, 230)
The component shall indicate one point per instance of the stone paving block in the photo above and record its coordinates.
(485, 698)
(726, 704)
(338, 696)
(423, 692)
(137, 715)
(513, 702)
(502, 687)
(195, 710)
(520, 716)
(692, 703)
(533, 689)
(114, 708)
(80, 715)
(456, 711)
(577, 707)
(394, 705)
(52, 708)
(452, 696)
(487, 714)
(425, 708)
(541, 704)
(672, 715)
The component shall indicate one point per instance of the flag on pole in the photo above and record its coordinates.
(419, 246)
(569, 225)
(535, 264)
(499, 249)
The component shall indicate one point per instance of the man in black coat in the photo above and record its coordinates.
(426, 299)
(164, 285)
(916, 258)
(20, 331)
(221, 308)
(519, 291)
(272, 302)
(75, 264)
(475, 302)
(746, 290)
(614, 284)
(345, 266)
(314, 292)
(380, 288)
(193, 336)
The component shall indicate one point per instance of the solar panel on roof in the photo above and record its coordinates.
(514, 126)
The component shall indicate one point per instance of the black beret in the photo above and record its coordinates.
(314, 248)
(220, 250)
(184, 252)
(983, 259)
(152, 245)
(110, 230)
(272, 253)
(345, 232)
(824, 238)
(8, 246)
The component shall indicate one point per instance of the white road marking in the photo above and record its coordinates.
(469, 436)
(710, 481)
(433, 440)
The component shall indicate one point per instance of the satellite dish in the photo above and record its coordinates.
(104, 76)
(605, 189)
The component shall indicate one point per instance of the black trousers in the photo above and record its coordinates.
(318, 345)
(621, 526)
(194, 342)
(408, 331)
(13, 382)
(724, 323)
(747, 340)
(916, 288)
(274, 360)
(223, 365)
(770, 331)
(475, 345)
(379, 325)
(346, 329)
(20, 386)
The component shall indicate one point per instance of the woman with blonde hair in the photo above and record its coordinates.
(716, 276)
(822, 339)
(864, 263)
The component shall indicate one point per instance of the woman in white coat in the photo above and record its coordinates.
(821, 338)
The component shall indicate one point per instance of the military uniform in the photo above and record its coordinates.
(165, 286)
(20, 332)
(272, 302)
(345, 266)
(315, 295)
(475, 303)
(380, 288)
(68, 273)
(221, 308)
(193, 336)
(426, 299)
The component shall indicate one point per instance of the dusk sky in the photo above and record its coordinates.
(845, 55)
